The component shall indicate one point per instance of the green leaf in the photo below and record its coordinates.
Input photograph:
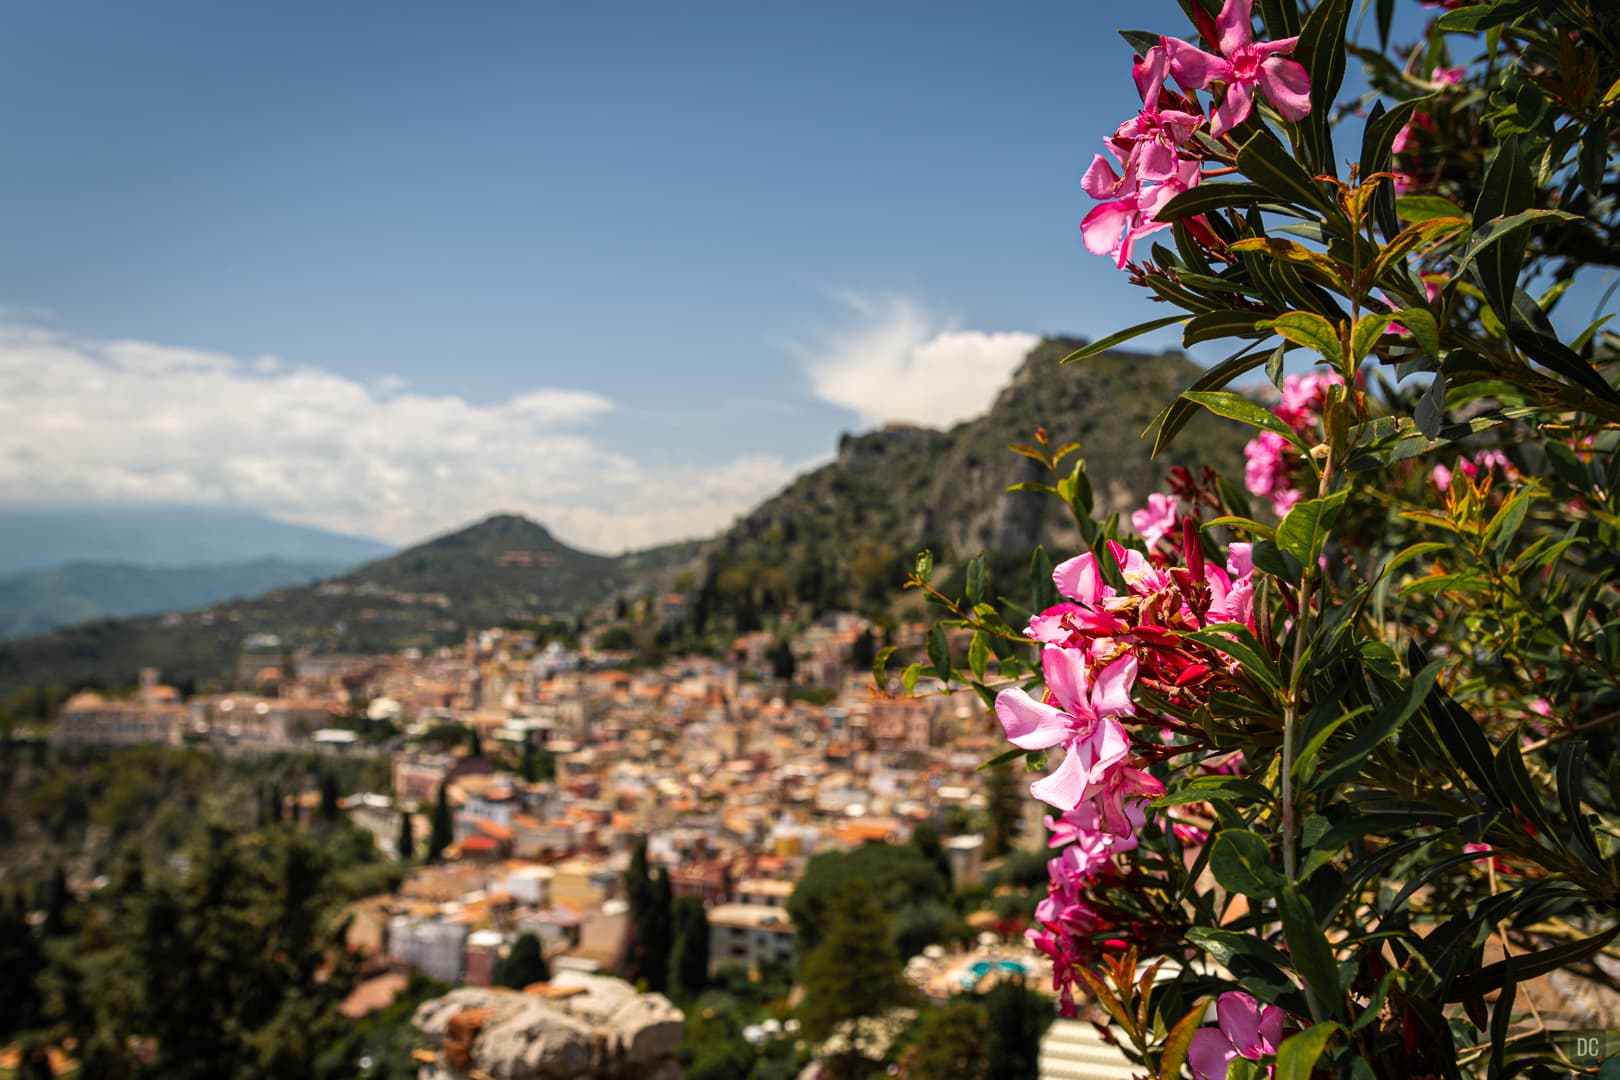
(1307, 947)
(909, 677)
(1378, 137)
(1384, 724)
(1268, 163)
(1239, 408)
(1425, 207)
(1308, 329)
(1236, 641)
(1304, 531)
(1043, 588)
(1493, 234)
(880, 667)
(1570, 772)
(1321, 50)
(939, 653)
(1204, 788)
(1102, 345)
(925, 564)
(1241, 863)
(1369, 328)
(1270, 559)
(978, 654)
(1423, 327)
(975, 579)
(1220, 324)
(1507, 190)
(1174, 418)
(1180, 1039)
(1299, 1053)
(1002, 759)
(1528, 966)
(1226, 945)
(1216, 195)
(1272, 247)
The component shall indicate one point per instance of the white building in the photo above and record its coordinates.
(430, 946)
(753, 936)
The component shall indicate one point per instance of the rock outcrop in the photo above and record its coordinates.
(575, 1026)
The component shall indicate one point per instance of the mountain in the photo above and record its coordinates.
(845, 534)
(503, 570)
(841, 535)
(41, 600)
(168, 536)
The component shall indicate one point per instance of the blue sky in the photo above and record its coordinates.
(626, 268)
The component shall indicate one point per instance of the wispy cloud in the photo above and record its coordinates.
(86, 423)
(903, 363)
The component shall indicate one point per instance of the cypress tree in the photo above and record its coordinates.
(525, 964)
(405, 846)
(443, 826)
(689, 959)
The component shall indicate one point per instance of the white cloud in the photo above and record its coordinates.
(903, 364)
(86, 423)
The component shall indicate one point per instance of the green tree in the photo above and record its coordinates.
(329, 798)
(443, 825)
(689, 959)
(783, 663)
(950, 1042)
(405, 845)
(853, 972)
(22, 960)
(524, 964)
(1017, 1019)
(1005, 807)
(899, 876)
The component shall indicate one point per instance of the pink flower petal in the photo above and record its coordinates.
(1282, 46)
(1236, 25)
(1080, 579)
(1210, 1055)
(1065, 786)
(1286, 86)
(1101, 228)
(1270, 1031)
(1194, 68)
(1234, 108)
(1111, 693)
(1030, 724)
(1239, 1017)
(1065, 672)
(1101, 181)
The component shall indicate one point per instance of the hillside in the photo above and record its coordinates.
(502, 570)
(168, 536)
(840, 536)
(41, 600)
(845, 534)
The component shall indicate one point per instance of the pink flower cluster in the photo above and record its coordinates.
(1155, 154)
(1271, 469)
(1096, 647)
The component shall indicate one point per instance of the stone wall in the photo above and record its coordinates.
(576, 1026)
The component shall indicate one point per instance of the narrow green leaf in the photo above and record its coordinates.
(939, 653)
(978, 654)
(1378, 137)
(1216, 195)
(1299, 1053)
(1507, 190)
(1423, 327)
(1241, 863)
(1212, 325)
(1175, 417)
(880, 667)
(1369, 328)
(1496, 232)
(1002, 759)
(1321, 50)
(1304, 531)
(1042, 587)
(1268, 163)
(909, 677)
(1384, 724)
(1239, 408)
(1308, 329)
(975, 580)
(1236, 641)
(1308, 948)
(925, 564)
(1425, 207)
(1102, 345)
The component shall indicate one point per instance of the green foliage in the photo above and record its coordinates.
(949, 1042)
(854, 968)
(908, 887)
(689, 959)
(442, 828)
(524, 964)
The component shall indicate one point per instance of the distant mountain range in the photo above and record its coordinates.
(41, 600)
(836, 537)
(168, 536)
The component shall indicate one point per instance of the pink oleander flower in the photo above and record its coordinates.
(1244, 1030)
(1083, 827)
(1113, 227)
(1244, 65)
(1149, 143)
(1447, 76)
(1157, 521)
(1079, 715)
(1441, 476)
